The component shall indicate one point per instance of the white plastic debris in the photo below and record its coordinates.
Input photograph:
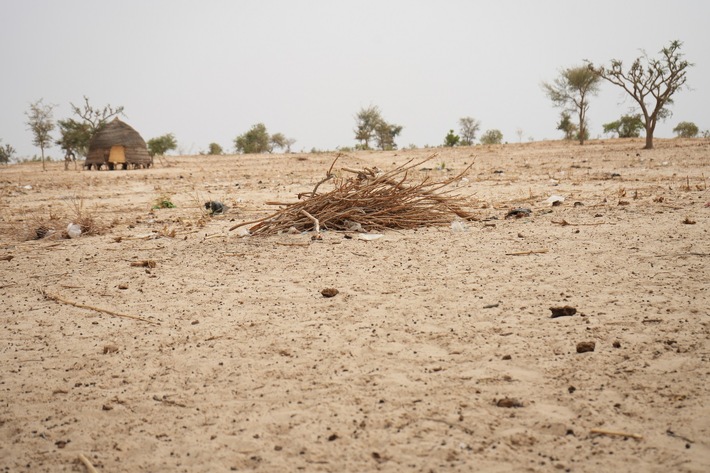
(458, 226)
(243, 231)
(554, 200)
(369, 236)
(74, 230)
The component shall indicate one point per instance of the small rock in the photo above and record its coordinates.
(215, 207)
(616, 344)
(110, 349)
(518, 213)
(506, 357)
(562, 311)
(329, 292)
(509, 402)
(106, 407)
(123, 286)
(583, 347)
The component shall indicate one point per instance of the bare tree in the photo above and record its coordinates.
(571, 90)
(650, 82)
(41, 124)
(96, 118)
(469, 127)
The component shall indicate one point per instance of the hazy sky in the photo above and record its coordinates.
(208, 70)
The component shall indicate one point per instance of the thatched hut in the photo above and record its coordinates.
(117, 146)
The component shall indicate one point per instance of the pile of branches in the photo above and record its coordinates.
(366, 201)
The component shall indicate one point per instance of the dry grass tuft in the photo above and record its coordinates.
(53, 225)
(371, 200)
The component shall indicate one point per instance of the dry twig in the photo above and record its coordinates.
(530, 252)
(57, 298)
(87, 464)
(616, 434)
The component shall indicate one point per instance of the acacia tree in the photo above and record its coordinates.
(650, 82)
(41, 124)
(96, 118)
(628, 126)
(567, 126)
(366, 121)
(162, 144)
(76, 134)
(6, 153)
(469, 127)
(492, 137)
(215, 149)
(385, 133)
(571, 90)
(686, 130)
(369, 125)
(256, 140)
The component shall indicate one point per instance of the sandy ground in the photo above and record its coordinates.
(439, 352)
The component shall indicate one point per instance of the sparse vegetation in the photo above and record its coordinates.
(650, 82)
(451, 139)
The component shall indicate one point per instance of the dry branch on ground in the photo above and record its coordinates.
(369, 200)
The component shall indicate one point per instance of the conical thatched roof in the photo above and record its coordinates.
(117, 134)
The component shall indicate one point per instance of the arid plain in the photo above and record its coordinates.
(168, 343)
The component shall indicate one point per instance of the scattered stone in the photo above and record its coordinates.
(518, 212)
(106, 407)
(578, 204)
(332, 437)
(110, 349)
(329, 292)
(583, 347)
(509, 402)
(562, 311)
(688, 221)
(616, 344)
(123, 286)
(215, 207)
(571, 389)
(506, 357)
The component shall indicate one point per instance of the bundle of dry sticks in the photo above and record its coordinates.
(368, 200)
